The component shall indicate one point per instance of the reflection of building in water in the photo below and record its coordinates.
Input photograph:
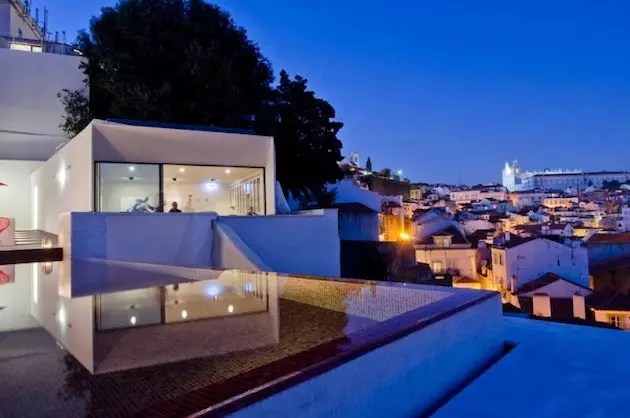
(108, 331)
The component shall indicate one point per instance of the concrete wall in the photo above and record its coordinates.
(183, 239)
(30, 112)
(16, 197)
(64, 183)
(602, 252)
(305, 244)
(391, 381)
(138, 144)
(358, 226)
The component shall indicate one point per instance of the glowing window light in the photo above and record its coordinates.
(133, 320)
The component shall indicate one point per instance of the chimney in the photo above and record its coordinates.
(579, 306)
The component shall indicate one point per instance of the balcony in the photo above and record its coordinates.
(37, 46)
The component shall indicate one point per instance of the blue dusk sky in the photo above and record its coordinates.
(449, 90)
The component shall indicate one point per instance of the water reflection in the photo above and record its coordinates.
(108, 329)
(194, 328)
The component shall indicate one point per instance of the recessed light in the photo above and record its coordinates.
(228, 171)
(132, 168)
(182, 169)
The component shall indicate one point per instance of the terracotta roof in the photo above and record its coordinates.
(558, 226)
(619, 238)
(613, 264)
(608, 300)
(531, 228)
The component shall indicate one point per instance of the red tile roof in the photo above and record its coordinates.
(619, 238)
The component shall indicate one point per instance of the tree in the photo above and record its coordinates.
(305, 135)
(386, 172)
(368, 164)
(186, 61)
(611, 185)
(181, 61)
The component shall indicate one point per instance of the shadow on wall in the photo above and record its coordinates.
(367, 260)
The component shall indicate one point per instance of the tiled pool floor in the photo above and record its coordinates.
(37, 378)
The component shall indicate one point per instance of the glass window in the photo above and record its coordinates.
(127, 187)
(436, 266)
(224, 190)
(615, 320)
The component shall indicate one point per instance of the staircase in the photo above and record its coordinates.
(33, 237)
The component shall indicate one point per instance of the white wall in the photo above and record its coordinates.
(137, 144)
(183, 239)
(30, 112)
(531, 260)
(391, 381)
(15, 299)
(202, 199)
(462, 259)
(604, 316)
(16, 197)
(64, 183)
(305, 244)
(70, 321)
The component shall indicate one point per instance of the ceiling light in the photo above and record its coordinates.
(182, 169)
(132, 168)
(132, 320)
(212, 185)
(228, 171)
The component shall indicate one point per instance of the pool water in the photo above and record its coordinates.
(106, 338)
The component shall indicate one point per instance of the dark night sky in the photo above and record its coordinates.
(449, 90)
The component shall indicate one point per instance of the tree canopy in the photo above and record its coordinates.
(186, 61)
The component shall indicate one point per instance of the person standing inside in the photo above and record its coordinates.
(174, 208)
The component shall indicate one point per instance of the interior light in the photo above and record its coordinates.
(228, 171)
(132, 320)
(213, 290)
(182, 169)
(62, 176)
(132, 168)
(231, 308)
(212, 185)
(184, 314)
(61, 316)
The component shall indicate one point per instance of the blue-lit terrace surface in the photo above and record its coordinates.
(111, 338)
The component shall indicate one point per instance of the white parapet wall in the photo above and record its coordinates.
(298, 244)
(400, 379)
(183, 239)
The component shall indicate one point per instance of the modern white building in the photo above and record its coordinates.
(515, 179)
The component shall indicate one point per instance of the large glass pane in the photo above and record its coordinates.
(225, 190)
(128, 187)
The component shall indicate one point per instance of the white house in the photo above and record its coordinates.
(518, 260)
(625, 218)
(448, 251)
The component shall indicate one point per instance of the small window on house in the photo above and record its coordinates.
(436, 266)
(500, 259)
(615, 320)
(442, 242)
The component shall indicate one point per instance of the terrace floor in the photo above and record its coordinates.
(555, 370)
